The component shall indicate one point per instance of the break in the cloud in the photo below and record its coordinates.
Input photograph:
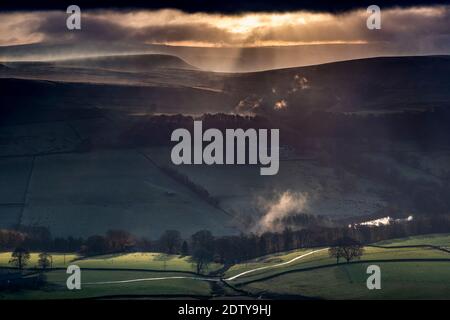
(409, 27)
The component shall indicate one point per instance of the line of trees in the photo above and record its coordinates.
(206, 248)
(20, 258)
(196, 188)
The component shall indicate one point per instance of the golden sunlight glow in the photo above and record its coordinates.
(174, 27)
(256, 43)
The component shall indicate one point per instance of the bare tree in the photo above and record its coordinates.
(202, 249)
(20, 258)
(45, 260)
(184, 249)
(335, 252)
(346, 248)
(170, 241)
(119, 240)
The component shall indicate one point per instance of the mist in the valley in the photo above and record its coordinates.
(275, 210)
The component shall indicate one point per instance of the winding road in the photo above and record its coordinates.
(275, 265)
(151, 279)
(208, 279)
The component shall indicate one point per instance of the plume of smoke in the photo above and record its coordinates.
(279, 105)
(248, 105)
(286, 204)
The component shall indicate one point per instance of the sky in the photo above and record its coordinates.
(407, 27)
(411, 27)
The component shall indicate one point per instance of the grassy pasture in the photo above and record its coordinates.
(322, 258)
(58, 259)
(137, 260)
(400, 280)
(440, 240)
(56, 286)
(404, 280)
(141, 260)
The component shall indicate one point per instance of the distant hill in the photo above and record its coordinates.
(221, 59)
(385, 84)
(49, 100)
(133, 63)
(375, 84)
(70, 112)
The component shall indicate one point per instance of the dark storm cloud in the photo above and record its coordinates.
(222, 6)
(52, 26)
(410, 29)
(398, 25)
(201, 32)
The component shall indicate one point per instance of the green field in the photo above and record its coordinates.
(56, 286)
(269, 261)
(314, 275)
(59, 260)
(139, 260)
(440, 240)
(405, 280)
(400, 280)
(322, 258)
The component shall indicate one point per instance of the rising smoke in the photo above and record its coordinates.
(285, 204)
